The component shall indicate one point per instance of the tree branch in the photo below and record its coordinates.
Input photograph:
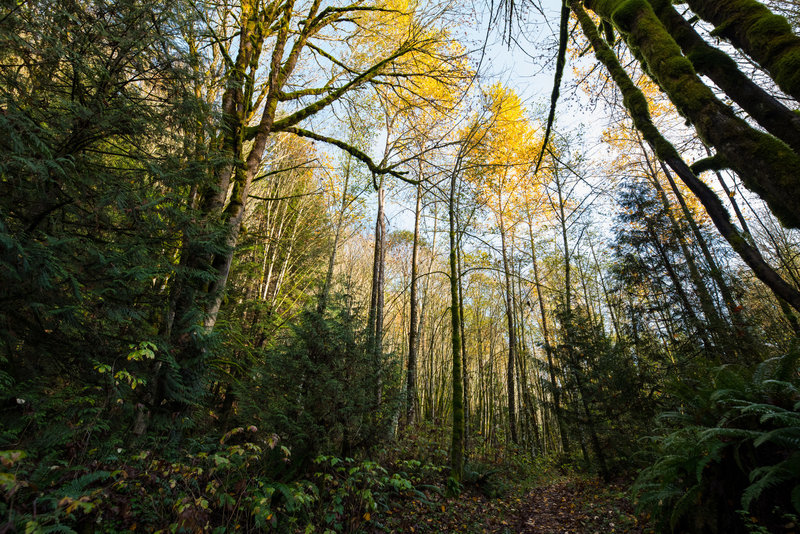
(353, 151)
(561, 60)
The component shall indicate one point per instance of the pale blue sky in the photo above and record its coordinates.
(527, 65)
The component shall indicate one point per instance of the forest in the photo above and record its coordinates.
(324, 266)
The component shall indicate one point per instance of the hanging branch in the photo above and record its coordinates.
(561, 61)
(273, 172)
(288, 197)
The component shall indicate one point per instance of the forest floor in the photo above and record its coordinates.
(504, 492)
(569, 505)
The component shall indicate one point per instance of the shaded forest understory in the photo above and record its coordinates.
(308, 266)
(505, 494)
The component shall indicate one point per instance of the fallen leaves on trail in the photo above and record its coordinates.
(577, 506)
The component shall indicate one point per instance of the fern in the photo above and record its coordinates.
(63, 529)
(77, 487)
(684, 504)
(737, 444)
(771, 476)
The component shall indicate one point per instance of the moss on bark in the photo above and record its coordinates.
(667, 153)
(766, 165)
(771, 114)
(761, 34)
(712, 163)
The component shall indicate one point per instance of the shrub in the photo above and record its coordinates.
(735, 453)
(318, 388)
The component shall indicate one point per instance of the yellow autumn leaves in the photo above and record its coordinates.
(502, 164)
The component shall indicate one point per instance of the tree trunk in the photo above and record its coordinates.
(411, 372)
(512, 338)
(457, 443)
(326, 286)
(548, 347)
(766, 165)
(464, 368)
(375, 319)
(637, 106)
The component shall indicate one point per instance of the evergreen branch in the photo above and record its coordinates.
(214, 37)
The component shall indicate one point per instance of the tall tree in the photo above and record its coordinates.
(261, 98)
(501, 160)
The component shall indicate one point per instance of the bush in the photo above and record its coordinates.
(218, 490)
(318, 387)
(735, 454)
(215, 491)
(351, 491)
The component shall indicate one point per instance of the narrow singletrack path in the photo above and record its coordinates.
(577, 507)
(566, 506)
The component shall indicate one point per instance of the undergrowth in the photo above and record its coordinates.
(732, 461)
(220, 490)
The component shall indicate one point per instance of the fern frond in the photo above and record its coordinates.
(78, 486)
(769, 476)
(683, 504)
(63, 529)
(729, 433)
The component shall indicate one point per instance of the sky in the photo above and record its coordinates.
(527, 65)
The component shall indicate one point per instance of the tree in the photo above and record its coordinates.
(261, 98)
(347, 190)
(97, 121)
(499, 163)
(763, 161)
(740, 133)
(668, 50)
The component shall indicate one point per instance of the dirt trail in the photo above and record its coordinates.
(574, 506)
(577, 507)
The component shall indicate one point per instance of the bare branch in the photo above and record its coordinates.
(353, 151)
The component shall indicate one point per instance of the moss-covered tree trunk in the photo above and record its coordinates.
(457, 442)
(764, 36)
(767, 110)
(766, 165)
(636, 104)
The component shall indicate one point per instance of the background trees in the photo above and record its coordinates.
(271, 237)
